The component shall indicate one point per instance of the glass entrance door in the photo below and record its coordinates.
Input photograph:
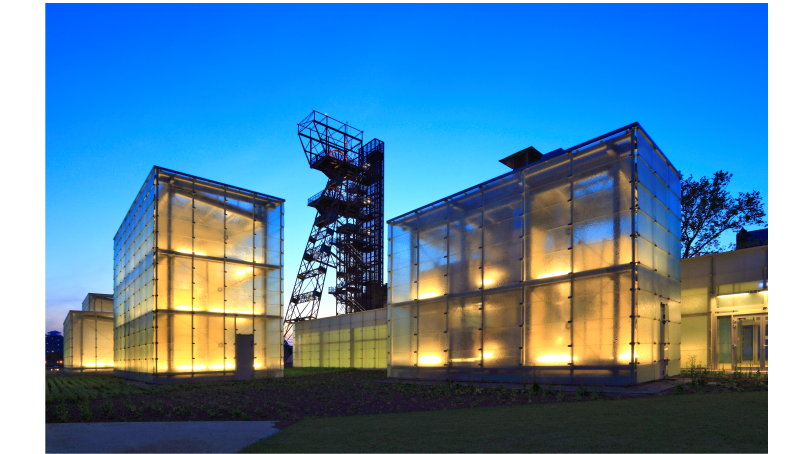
(765, 366)
(750, 342)
(724, 343)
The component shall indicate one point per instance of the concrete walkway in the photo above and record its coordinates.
(192, 436)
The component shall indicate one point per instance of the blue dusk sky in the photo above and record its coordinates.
(217, 90)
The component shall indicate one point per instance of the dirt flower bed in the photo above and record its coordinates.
(303, 393)
(697, 380)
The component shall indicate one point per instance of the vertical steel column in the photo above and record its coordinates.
(634, 257)
(522, 272)
(171, 268)
(192, 288)
(225, 247)
(416, 306)
(254, 283)
(571, 201)
(482, 281)
(281, 251)
(448, 292)
(154, 249)
(710, 291)
(389, 352)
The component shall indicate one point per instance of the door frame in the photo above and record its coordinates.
(763, 320)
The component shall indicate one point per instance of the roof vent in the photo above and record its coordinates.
(522, 158)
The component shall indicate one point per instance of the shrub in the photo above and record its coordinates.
(86, 413)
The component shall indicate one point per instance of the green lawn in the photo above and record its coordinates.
(293, 372)
(720, 422)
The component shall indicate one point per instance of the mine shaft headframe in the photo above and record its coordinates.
(322, 135)
(349, 218)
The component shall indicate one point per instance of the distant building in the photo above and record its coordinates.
(752, 239)
(54, 342)
(54, 349)
(89, 336)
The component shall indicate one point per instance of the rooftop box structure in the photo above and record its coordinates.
(98, 302)
(198, 282)
(88, 342)
(522, 158)
(564, 270)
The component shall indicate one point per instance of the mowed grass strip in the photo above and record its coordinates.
(293, 372)
(727, 422)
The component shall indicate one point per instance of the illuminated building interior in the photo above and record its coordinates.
(564, 270)
(198, 282)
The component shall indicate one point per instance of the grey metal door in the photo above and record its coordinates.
(244, 359)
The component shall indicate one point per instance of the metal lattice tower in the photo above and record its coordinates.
(347, 233)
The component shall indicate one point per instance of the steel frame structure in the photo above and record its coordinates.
(347, 233)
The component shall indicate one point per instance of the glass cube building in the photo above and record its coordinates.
(564, 270)
(198, 282)
(351, 340)
(88, 341)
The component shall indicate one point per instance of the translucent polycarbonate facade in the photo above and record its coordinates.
(562, 271)
(88, 342)
(352, 340)
(658, 254)
(724, 310)
(198, 268)
(98, 302)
